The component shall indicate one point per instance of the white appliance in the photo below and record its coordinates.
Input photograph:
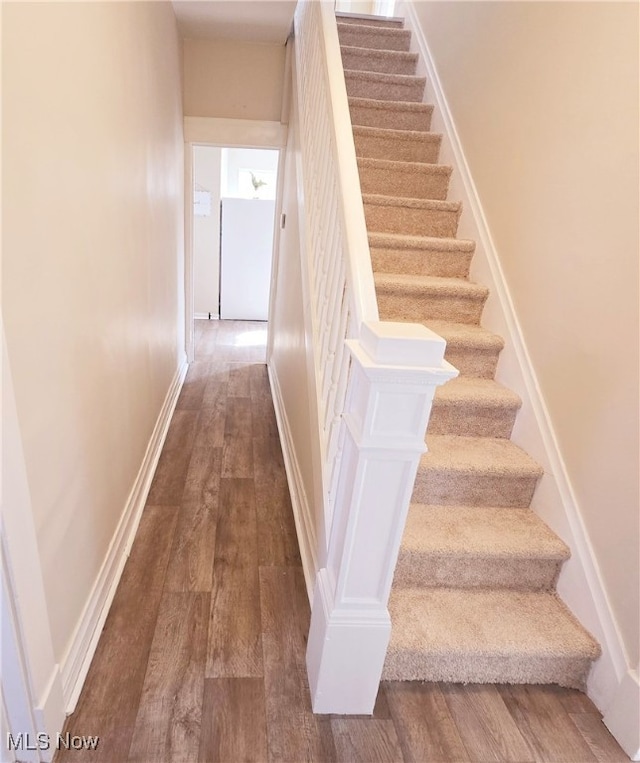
(246, 251)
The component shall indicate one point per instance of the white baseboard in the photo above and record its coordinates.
(75, 665)
(580, 584)
(302, 513)
(622, 717)
(49, 715)
(205, 317)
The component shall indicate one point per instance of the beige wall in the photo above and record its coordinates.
(290, 363)
(233, 80)
(545, 100)
(92, 188)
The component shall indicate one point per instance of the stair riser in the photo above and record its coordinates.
(391, 118)
(410, 91)
(469, 420)
(382, 39)
(499, 668)
(385, 64)
(393, 181)
(376, 22)
(472, 362)
(421, 262)
(476, 572)
(398, 150)
(396, 306)
(473, 489)
(413, 222)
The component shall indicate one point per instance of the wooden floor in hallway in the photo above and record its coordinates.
(202, 657)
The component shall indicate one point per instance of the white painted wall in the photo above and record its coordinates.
(236, 80)
(367, 7)
(236, 159)
(92, 287)
(206, 233)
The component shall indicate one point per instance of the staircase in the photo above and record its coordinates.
(473, 598)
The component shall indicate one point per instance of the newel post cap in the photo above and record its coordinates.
(402, 344)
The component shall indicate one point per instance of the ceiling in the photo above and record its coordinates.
(267, 21)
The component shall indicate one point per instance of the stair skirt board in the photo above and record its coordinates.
(473, 598)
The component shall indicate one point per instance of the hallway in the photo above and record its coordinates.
(202, 657)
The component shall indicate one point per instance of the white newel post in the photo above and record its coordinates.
(395, 370)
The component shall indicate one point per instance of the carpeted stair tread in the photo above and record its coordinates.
(371, 36)
(392, 201)
(405, 167)
(396, 115)
(386, 61)
(478, 547)
(474, 408)
(384, 87)
(426, 243)
(420, 284)
(473, 350)
(475, 471)
(393, 22)
(491, 455)
(403, 297)
(422, 217)
(404, 179)
(397, 145)
(469, 531)
(420, 255)
(457, 391)
(486, 636)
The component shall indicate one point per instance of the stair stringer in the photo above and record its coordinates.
(580, 585)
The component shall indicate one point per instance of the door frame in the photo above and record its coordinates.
(222, 133)
(33, 696)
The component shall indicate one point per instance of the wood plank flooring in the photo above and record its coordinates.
(202, 657)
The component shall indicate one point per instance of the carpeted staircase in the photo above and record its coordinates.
(473, 597)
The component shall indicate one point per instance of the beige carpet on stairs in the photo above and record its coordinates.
(473, 597)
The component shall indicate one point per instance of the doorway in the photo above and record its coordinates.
(367, 7)
(234, 201)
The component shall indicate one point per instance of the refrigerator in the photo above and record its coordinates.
(246, 253)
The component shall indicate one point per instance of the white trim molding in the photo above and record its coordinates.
(622, 716)
(302, 510)
(76, 662)
(32, 687)
(580, 584)
(245, 133)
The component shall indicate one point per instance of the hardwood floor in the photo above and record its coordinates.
(202, 657)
